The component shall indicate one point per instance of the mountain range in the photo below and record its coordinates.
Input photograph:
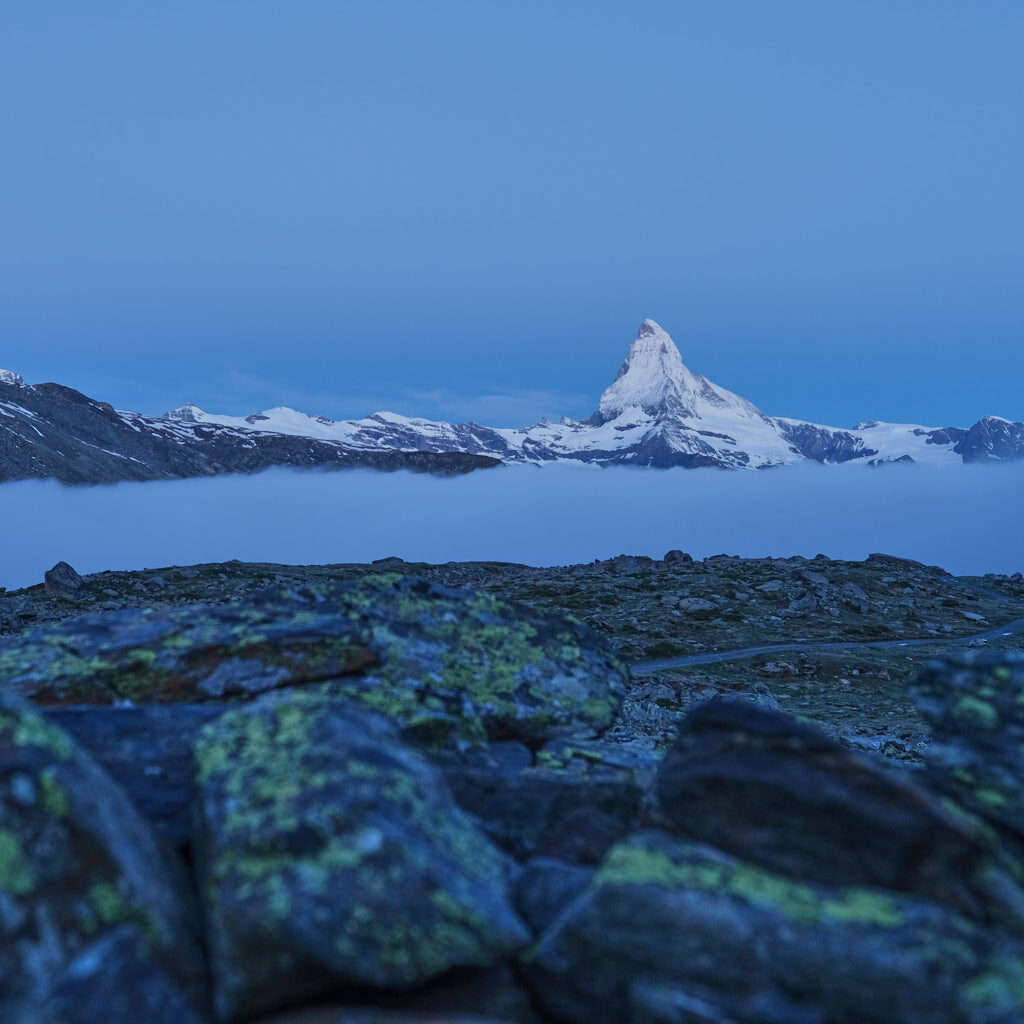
(656, 413)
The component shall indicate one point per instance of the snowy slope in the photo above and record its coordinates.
(656, 412)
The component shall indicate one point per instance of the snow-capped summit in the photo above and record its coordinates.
(10, 377)
(187, 413)
(655, 380)
(657, 412)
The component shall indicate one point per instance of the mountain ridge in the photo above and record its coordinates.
(656, 413)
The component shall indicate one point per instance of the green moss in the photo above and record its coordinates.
(15, 873)
(976, 712)
(28, 729)
(109, 907)
(55, 797)
(108, 902)
(999, 989)
(633, 865)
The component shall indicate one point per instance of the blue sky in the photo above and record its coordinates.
(465, 208)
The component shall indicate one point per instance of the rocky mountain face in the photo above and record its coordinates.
(51, 431)
(991, 439)
(656, 413)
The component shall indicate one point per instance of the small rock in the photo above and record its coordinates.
(62, 581)
(776, 670)
(970, 616)
(771, 587)
(803, 603)
(677, 557)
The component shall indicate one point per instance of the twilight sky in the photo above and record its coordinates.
(464, 208)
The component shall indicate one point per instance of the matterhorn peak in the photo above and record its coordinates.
(651, 327)
(653, 378)
(655, 381)
(10, 377)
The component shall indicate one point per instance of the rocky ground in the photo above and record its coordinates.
(351, 793)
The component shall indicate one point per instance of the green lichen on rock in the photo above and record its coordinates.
(671, 915)
(997, 993)
(976, 712)
(475, 666)
(325, 839)
(76, 864)
(29, 730)
(974, 705)
(15, 872)
(638, 865)
(449, 666)
(187, 653)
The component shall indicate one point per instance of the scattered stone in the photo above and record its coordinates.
(777, 669)
(63, 581)
(803, 603)
(816, 579)
(962, 613)
(904, 563)
(854, 597)
(677, 557)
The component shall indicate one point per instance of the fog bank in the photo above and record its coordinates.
(964, 518)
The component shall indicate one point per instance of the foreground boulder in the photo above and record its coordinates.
(147, 751)
(331, 856)
(85, 890)
(550, 813)
(447, 665)
(763, 786)
(672, 930)
(975, 707)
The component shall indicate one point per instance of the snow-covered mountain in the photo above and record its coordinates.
(655, 413)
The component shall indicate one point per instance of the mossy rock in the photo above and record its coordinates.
(448, 665)
(671, 922)
(332, 855)
(975, 707)
(77, 865)
(764, 786)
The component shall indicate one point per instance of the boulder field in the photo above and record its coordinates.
(388, 800)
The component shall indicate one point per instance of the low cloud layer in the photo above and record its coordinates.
(966, 519)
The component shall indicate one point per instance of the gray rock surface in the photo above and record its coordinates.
(82, 880)
(63, 581)
(668, 922)
(332, 855)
